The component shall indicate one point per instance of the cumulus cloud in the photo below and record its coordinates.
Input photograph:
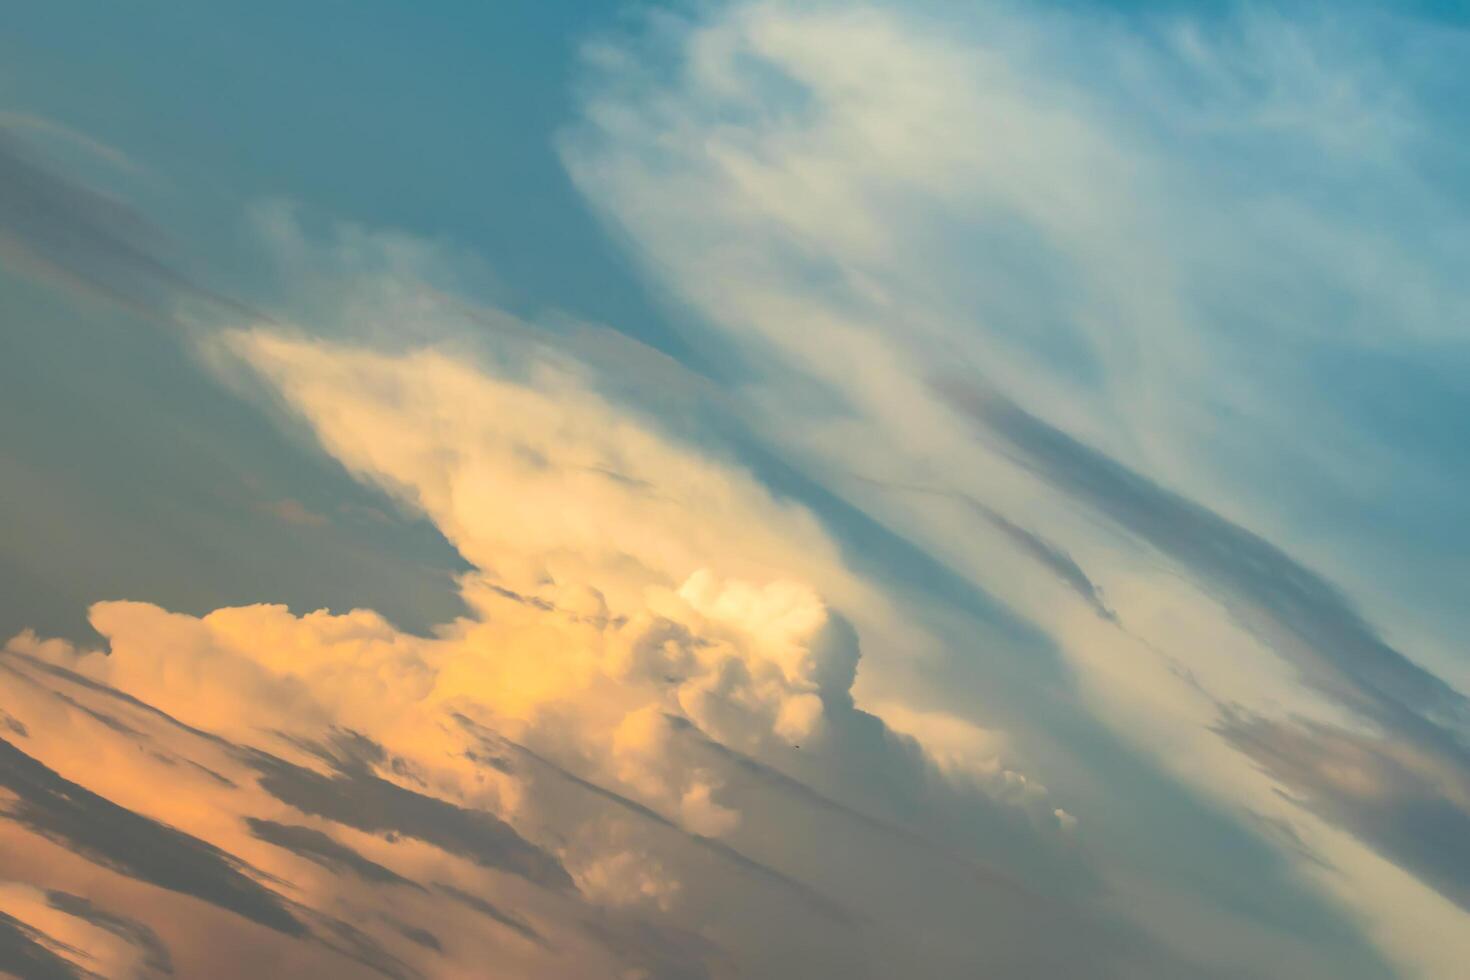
(643, 636)
(686, 727)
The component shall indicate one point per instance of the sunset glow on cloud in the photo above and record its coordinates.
(735, 490)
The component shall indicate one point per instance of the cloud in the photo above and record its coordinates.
(117, 837)
(643, 639)
(1314, 624)
(700, 668)
(25, 953)
(1410, 806)
(486, 908)
(295, 512)
(331, 889)
(84, 238)
(356, 798)
(1403, 790)
(154, 957)
(1049, 555)
(317, 846)
(1152, 234)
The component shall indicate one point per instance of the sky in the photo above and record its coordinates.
(752, 489)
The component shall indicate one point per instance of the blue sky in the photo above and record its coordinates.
(612, 464)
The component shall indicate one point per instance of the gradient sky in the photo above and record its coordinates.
(734, 489)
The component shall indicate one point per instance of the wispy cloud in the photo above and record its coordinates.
(1151, 234)
(1004, 585)
(88, 240)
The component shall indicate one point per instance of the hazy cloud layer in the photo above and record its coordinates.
(1033, 563)
(1034, 343)
(63, 228)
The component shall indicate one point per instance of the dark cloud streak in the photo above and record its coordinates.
(1402, 785)
(155, 955)
(24, 953)
(809, 895)
(132, 844)
(1390, 796)
(1330, 643)
(317, 847)
(355, 797)
(1050, 556)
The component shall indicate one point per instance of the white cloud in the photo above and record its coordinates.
(656, 686)
(1109, 220)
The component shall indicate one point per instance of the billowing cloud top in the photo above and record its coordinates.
(1022, 551)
